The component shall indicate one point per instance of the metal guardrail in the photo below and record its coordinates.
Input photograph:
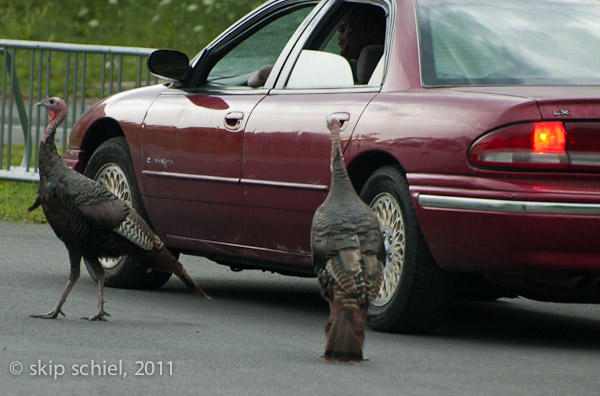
(89, 72)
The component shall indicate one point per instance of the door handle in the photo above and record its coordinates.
(233, 120)
(343, 118)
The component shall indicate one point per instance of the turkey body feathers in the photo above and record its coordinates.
(91, 221)
(348, 255)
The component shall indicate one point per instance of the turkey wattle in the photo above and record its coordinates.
(92, 222)
(349, 255)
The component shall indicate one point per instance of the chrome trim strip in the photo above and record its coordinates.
(498, 205)
(268, 183)
(233, 180)
(187, 176)
(584, 159)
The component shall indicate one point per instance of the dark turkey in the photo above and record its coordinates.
(348, 254)
(92, 222)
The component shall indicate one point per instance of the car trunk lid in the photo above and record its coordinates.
(554, 102)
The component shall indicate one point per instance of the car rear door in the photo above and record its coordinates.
(286, 158)
(287, 146)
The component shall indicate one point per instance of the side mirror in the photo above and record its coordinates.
(168, 64)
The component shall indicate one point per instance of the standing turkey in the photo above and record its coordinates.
(348, 254)
(91, 221)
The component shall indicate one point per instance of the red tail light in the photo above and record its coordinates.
(549, 137)
(540, 145)
(550, 145)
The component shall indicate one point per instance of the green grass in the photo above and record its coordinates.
(183, 25)
(17, 196)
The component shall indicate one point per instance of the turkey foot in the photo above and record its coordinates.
(74, 274)
(101, 313)
(99, 316)
(50, 315)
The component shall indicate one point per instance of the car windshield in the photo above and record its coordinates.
(509, 42)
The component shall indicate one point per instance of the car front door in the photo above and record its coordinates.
(191, 159)
(193, 136)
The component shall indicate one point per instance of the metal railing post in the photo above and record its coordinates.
(3, 110)
(23, 117)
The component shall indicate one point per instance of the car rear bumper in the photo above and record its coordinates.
(525, 226)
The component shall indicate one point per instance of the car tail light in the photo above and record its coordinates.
(549, 137)
(550, 145)
(531, 145)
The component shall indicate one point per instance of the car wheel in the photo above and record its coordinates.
(416, 293)
(111, 165)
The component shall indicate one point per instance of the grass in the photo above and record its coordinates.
(17, 196)
(184, 25)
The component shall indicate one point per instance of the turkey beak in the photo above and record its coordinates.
(43, 102)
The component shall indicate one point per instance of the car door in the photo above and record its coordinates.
(287, 146)
(192, 136)
(191, 159)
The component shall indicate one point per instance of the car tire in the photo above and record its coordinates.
(111, 165)
(416, 293)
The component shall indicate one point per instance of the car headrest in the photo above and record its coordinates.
(368, 59)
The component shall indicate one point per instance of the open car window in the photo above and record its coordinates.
(351, 39)
(257, 51)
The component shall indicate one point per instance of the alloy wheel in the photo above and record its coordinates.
(391, 221)
(114, 179)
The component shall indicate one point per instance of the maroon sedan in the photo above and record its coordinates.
(471, 127)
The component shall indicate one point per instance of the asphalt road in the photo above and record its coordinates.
(262, 335)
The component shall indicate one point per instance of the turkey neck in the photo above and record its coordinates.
(48, 155)
(340, 181)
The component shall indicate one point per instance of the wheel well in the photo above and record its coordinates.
(98, 133)
(362, 167)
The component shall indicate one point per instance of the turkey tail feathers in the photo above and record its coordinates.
(35, 205)
(163, 260)
(183, 275)
(345, 336)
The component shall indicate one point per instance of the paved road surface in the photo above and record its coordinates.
(262, 335)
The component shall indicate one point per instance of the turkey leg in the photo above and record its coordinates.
(73, 276)
(99, 273)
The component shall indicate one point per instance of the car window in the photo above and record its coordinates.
(468, 42)
(354, 32)
(258, 51)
